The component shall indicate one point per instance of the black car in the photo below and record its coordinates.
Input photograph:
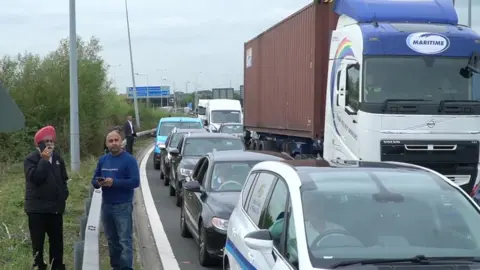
(171, 143)
(190, 149)
(211, 194)
(232, 128)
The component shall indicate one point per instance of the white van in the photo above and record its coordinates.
(221, 111)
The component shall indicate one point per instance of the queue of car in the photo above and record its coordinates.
(265, 210)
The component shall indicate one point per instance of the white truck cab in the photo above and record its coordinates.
(400, 87)
(202, 108)
(221, 111)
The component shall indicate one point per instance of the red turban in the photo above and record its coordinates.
(44, 132)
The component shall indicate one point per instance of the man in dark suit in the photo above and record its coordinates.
(130, 134)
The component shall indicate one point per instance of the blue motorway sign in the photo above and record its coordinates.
(150, 91)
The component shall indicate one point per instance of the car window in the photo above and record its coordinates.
(290, 252)
(273, 218)
(230, 176)
(167, 127)
(202, 146)
(387, 214)
(259, 195)
(175, 138)
(180, 145)
(246, 189)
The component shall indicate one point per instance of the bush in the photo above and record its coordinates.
(40, 86)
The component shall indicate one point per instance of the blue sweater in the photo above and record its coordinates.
(123, 169)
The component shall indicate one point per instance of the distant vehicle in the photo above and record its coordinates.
(211, 194)
(171, 143)
(190, 149)
(314, 214)
(165, 125)
(220, 111)
(202, 109)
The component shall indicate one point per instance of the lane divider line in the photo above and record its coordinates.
(161, 241)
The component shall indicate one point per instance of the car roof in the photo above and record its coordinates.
(317, 165)
(211, 135)
(188, 130)
(180, 119)
(247, 155)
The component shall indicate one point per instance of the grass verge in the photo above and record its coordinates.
(15, 245)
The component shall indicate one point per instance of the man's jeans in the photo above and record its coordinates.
(118, 227)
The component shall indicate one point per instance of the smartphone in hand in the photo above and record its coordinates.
(100, 179)
(42, 146)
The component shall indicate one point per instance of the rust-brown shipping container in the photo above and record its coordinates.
(285, 73)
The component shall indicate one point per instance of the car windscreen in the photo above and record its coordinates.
(384, 215)
(230, 176)
(231, 129)
(167, 127)
(202, 146)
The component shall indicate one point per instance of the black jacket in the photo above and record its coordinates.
(46, 189)
(128, 130)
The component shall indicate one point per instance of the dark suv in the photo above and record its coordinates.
(171, 143)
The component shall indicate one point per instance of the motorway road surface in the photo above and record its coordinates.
(184, 249)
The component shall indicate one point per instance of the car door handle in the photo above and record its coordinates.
(234, 232)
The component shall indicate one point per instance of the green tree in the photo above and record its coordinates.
(40, 86)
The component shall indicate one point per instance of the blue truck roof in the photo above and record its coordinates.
(412, 11)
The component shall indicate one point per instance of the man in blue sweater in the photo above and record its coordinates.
(117, 175)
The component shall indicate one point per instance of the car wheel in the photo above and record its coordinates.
(166, 180)
(203, 257)
(184, 232)
(178, 195)
(172, 191)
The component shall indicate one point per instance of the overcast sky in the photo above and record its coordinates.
(185, 38)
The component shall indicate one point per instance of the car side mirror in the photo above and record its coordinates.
(193, 186)
(259, 240)
(152, 134)
(174, 152)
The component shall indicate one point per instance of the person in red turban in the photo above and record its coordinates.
(45, 198)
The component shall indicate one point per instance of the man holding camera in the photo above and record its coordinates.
(46, 193)
(117, 174)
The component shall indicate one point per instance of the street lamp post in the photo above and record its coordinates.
(114, 67)
(135, 102)
(161, 70)
(74, 121)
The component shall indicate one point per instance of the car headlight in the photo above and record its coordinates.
(186, 172)
(161, 145)
(220, 223)
(169, 156)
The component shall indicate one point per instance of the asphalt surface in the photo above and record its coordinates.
(184, 249)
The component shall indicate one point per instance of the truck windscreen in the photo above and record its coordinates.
(226, 116)
(426, 78)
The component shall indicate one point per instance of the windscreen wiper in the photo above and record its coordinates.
(419, 259)
(441, 106)
(386, 101)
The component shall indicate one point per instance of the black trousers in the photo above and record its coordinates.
(47, 224)
(129, 146)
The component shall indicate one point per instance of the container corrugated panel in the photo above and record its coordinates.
(286, 75)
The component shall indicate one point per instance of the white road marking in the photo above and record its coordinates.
(161, 241)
